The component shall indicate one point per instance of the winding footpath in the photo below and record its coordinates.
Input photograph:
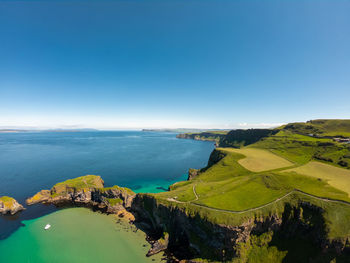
(259, 207)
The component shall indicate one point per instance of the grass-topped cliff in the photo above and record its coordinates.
(62, 189)
(286, 179)
(87, 190)
(9, 205)
(215, 136)
(321, 128)
(83, 182)
(300, 141)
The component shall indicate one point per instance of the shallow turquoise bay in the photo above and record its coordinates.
(76, 235)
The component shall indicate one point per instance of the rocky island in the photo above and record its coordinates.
(9, 205)
(88, 191)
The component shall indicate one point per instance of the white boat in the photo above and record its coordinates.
(47, 226)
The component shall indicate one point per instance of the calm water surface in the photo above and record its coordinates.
(29, 162)
(76, 235)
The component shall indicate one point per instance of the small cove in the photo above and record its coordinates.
(76, 235)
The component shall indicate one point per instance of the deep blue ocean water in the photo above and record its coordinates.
(142, 161)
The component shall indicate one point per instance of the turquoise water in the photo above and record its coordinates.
(29, 162)
(76, 235)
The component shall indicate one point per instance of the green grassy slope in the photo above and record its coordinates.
(300, 149)
(321, 127)
(336, 177)
(229, 193)
(229, 186)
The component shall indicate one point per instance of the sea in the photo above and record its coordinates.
(146, 162)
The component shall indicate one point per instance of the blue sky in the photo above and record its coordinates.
(206, 64)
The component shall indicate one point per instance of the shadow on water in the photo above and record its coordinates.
(11, 223)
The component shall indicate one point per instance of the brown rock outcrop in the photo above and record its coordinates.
(9, 205)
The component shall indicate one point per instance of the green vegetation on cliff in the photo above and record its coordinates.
(9, 205)
(239, 138)
(301, 149)
(79, 183)
(6, 199)
(321, 128)
(297, 167)
(114, 201)
(215, 136)
(88, 189)
(227, 188)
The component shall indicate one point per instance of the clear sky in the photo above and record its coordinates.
(206, 64)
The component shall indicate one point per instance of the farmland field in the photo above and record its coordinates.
(258, 160)
(336, 177)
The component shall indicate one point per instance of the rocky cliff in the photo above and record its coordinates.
(215, 157)
(190, 236)
(234, 138)
(87, 190)
(202, 136)
(9, 205)
(238, 138)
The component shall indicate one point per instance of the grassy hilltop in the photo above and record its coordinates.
(291, 165)
(322, 128)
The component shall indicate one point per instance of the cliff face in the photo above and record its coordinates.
(88, 191)
(202, 136)
(239, 137)
(189, 237)
(9, 205)
(192, 173)
(233, 138)
(215, 157)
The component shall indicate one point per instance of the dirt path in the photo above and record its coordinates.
(194, 191)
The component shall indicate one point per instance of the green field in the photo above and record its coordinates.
(301, 149)
(229, 186)
(258, 160)
(227, 193)
(321, 127)
(336, 177)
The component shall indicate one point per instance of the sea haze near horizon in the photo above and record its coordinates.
(142, 161)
